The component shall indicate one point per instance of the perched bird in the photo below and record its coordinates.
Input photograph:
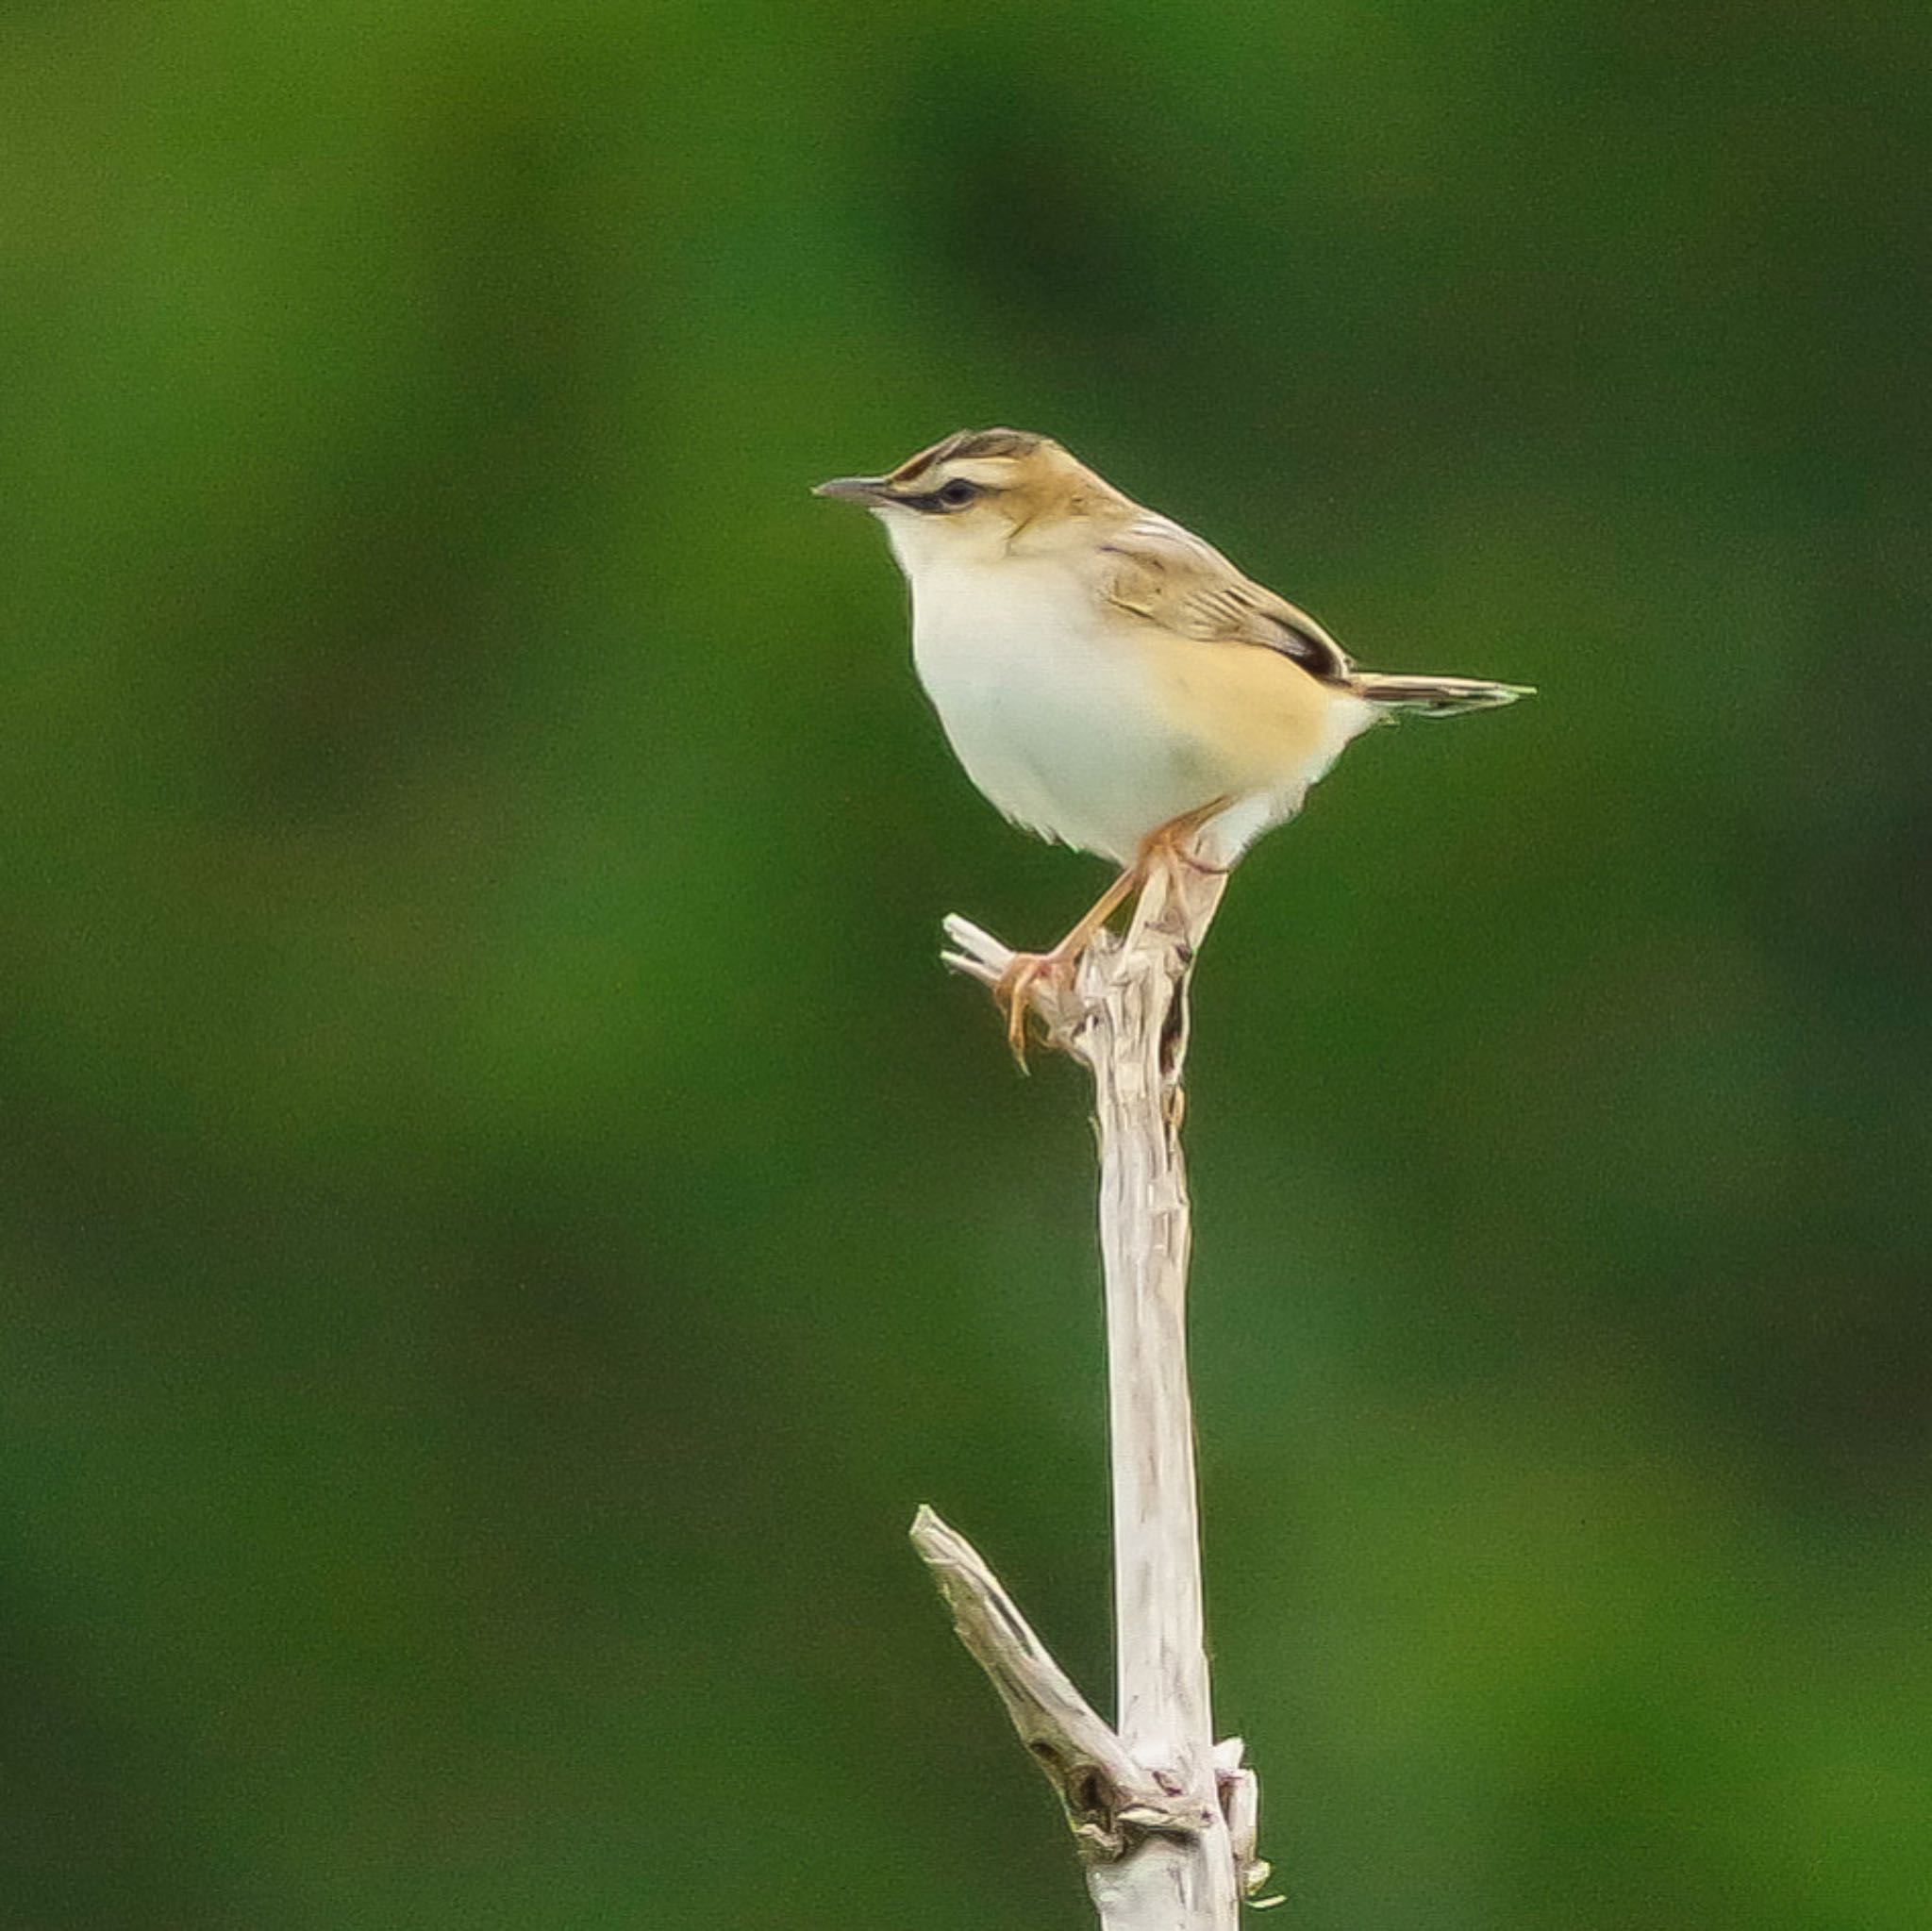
(1110, 680)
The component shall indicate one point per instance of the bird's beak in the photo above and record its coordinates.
(868, 490)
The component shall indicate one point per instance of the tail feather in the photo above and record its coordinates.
(1434, 696)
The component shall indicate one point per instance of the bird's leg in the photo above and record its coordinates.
(1026, 968)
(1173, 841)
(1168, 844)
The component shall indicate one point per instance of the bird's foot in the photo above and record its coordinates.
(1013, 990)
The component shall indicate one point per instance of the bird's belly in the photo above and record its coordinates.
(1061, 721)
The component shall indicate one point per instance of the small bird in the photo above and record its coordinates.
(1109, 681)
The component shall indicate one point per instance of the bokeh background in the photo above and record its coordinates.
(503, 1216)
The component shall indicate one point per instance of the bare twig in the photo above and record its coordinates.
(1110, 1799)
(1181, 1860)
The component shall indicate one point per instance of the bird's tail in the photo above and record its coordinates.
(1435, 697)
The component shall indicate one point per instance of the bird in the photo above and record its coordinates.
(1110, 680)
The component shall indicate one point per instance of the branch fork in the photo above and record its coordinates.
(1110, 1800)
(1112, 1803)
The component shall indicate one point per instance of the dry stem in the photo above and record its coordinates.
(1164, 1819)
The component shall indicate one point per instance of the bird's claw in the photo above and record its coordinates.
(1013, 995)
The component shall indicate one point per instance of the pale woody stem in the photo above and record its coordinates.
(1156, 1842)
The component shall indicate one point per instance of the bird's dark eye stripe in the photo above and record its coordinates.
(956, 494)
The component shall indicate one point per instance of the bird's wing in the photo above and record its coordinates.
(1154, 569)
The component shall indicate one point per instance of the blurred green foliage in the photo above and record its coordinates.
(502, 1215)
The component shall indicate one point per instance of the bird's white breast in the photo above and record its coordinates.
(1054, 712)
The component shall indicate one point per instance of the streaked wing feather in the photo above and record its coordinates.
(1158, 570)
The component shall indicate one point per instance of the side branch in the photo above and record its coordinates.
(1109, 1798)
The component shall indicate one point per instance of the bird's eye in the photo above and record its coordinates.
(958, 494)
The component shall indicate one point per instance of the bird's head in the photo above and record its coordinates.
(979, 496)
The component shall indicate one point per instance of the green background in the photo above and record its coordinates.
(502, 1217)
